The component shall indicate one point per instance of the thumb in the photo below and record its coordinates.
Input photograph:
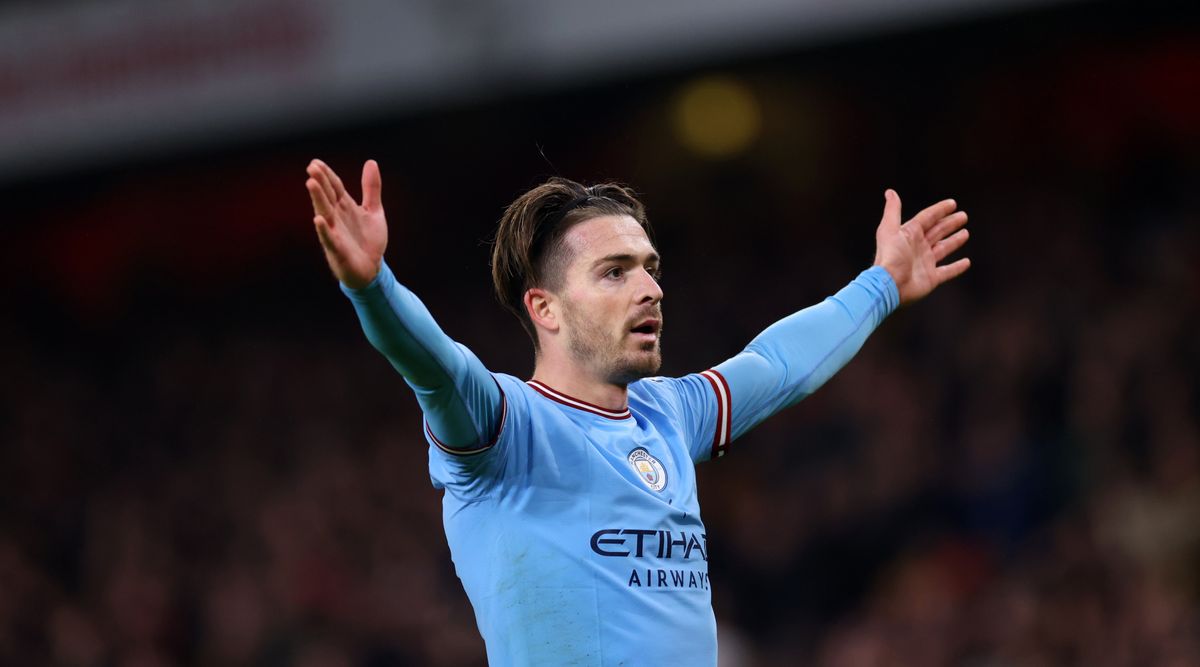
(372, 186)
(891, 210)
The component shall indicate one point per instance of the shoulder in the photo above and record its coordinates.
(670, 395)
(653, 390)
(674, 390)
(698, 402)
(516, 391)
(522, 401)
(509, 384)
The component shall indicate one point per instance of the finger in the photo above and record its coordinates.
(372, 186)
(320, 202)
(323, 231)
(931, 215)
(339, 190)
(331, 241)
(949, 246)
(952, 270)
(328, 245)
(891, 210)
(947, 226)
(319, 171)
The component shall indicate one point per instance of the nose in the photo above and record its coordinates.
(649, 291)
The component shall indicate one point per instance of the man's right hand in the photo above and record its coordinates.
(353, 236)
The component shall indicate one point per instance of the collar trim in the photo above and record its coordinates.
(573, 402)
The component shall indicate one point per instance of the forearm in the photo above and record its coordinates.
(793, 357)
(458, 395)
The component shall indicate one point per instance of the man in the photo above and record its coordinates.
(570, 499)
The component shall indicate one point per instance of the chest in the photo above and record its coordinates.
(621, 467)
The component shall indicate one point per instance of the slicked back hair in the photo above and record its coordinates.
(529, 249)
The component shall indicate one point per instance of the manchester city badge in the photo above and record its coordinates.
(649, 469)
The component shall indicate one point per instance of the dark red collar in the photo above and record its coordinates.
(576, 403)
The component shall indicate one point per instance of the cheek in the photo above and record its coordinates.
(601, 309)
(586, 312)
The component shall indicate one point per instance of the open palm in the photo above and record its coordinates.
(910, 252)
(353, 235)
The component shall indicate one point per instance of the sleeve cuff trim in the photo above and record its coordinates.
(720, 387)
(478, 450)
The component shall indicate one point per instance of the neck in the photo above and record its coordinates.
(579, 383)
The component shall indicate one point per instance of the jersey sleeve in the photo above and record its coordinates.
(694, 408)
(472, 475)
(462, 403)
(793, 357)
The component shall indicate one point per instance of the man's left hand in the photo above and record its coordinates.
(910, 252)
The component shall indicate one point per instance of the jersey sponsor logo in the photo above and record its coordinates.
(661, 578)
(649, 469)
(661, 544)
(642, 543)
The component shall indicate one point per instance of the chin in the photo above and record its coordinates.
(644, 364)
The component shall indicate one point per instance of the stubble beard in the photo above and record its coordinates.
(593, 347)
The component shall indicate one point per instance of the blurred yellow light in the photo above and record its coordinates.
(717, 117)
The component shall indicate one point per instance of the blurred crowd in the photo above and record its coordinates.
(1007, 474)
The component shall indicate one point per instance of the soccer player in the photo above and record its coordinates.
(570, 499)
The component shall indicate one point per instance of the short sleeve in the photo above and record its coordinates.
(699, 404)
(472, 474)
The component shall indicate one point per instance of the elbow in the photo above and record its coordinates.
(771, 367)
(795, 378)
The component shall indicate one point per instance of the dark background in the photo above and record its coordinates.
(204, 462)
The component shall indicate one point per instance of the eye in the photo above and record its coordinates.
(615, 272)
(655, 273)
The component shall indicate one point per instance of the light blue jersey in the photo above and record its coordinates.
(576, 530)
(578, 535)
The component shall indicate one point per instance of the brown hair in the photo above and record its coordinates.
(528, 250)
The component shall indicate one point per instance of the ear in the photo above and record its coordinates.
(542, 307)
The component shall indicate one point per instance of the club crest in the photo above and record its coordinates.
(649, 469)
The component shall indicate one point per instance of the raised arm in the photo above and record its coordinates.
(796, 355)
(461, 401)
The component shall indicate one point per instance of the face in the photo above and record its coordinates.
(610, 302)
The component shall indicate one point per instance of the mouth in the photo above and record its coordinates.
(646, 330)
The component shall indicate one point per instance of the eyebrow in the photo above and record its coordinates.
(625, 258)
